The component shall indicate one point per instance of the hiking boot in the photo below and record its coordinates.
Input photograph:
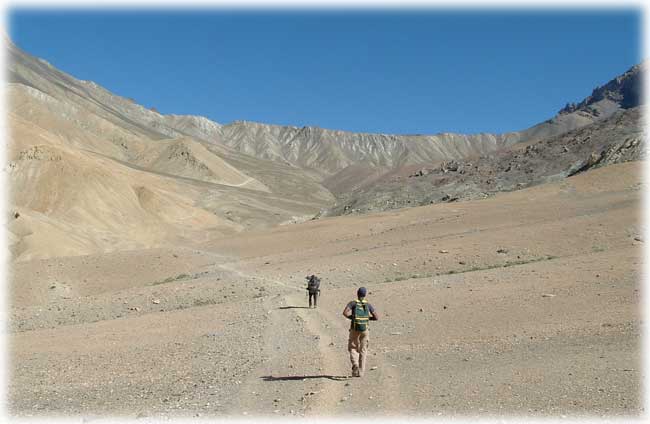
(355, 371)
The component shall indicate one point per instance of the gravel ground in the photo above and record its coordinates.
(496, 307)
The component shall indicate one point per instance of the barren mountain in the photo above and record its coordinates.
(151, 277)
(93, 172)
(619, 138)
(328, 152)
(217, 179)
(321, 152)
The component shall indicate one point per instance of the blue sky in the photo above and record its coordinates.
(399, 72)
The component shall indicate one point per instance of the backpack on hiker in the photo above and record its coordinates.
(361, 315)
(313, 285)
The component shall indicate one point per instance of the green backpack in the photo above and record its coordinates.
(361, 315)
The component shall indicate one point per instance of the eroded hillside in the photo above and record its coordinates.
(91, 171)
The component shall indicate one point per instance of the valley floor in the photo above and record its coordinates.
(526, 303)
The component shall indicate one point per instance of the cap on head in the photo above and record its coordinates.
(361, 292)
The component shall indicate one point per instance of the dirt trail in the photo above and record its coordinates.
(320, 322)
(333, 331)
(306, 369)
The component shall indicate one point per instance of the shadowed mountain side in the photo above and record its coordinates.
(327, 152)
(354, 177)
(616, 139)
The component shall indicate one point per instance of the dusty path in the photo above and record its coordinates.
(306, 369)
(242, 183)
(302, 373)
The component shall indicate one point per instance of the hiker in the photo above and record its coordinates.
(359, 312)
(313, 289)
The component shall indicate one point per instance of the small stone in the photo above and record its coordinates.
(443, 251)
(155, 301)
(548, 295)
(373, 368)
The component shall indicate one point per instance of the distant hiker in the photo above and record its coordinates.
(313, 289)
(359, 312)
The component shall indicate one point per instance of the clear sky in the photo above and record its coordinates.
(399, 72)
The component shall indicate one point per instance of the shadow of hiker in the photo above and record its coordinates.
(293, 307)
(304, 377)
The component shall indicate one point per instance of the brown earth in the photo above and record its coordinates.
(525, 303)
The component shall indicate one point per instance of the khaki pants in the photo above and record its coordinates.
(358, 348)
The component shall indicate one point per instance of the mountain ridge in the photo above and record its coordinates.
(319, 151)
(225, 178)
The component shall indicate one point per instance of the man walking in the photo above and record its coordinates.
(359, 312)
(313, 289)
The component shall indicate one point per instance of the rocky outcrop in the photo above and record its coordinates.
(626, 90)
(617, 139)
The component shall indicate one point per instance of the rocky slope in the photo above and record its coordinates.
(319, 151)
(212, 179)
(619, 138)
(328, 152)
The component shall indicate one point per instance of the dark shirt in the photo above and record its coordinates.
(315, 286)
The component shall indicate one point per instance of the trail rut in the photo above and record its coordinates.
(306, 370)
